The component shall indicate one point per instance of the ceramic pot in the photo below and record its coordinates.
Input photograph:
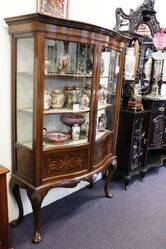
(56, 137)
(58, 99)
(47, 100)
(71, 118)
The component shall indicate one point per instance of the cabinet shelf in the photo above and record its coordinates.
(81, 141)
(49, 75)
(66, 110)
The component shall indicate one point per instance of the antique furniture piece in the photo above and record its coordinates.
(132, 143)
(61, 144)
(4, 223)
(140, 24)
(156, 143)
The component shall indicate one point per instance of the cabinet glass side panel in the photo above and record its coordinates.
(24, 90)
(109, 70)
(67, 95)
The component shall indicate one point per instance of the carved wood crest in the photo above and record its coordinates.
(144, 14)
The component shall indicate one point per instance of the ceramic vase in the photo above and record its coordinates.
(58, 99)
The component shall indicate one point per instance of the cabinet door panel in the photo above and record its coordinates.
(67, 95)
(157, 131)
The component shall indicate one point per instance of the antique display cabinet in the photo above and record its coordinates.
(66, 85)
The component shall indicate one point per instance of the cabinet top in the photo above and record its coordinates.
(45, 19)
(3, 170)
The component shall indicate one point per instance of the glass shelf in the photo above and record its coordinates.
(25, 73)
(28, 144)
(71, 142)
(100, 134)
(68, 75)
(66, 110)
(81, 141)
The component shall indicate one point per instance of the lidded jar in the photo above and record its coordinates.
(47, 100)
(58, 99)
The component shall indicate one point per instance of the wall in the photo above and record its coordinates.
(96, 12)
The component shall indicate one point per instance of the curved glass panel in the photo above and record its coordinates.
(24, 90)
(67, 94)
(109, 69)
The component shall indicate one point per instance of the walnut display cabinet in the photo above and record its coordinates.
(66, 87)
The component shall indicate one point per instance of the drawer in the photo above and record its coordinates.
(64, 164)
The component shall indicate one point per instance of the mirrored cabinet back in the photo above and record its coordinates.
(66, 88)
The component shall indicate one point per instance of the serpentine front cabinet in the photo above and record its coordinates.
(66, 82)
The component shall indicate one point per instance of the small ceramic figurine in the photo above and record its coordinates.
(47, 100)
(103, 94)
(85, 101)
(47, 64)
(58, 99)
(102, 121)
(64, 63)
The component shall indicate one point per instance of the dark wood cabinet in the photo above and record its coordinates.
(156, 146)
(132, 142)
(5, 242)
(66, 86)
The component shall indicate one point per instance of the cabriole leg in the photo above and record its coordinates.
(110, 172)
(36, 199)
(17, 196)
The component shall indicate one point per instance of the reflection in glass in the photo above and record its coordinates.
(107, 91)
(67, 95)
(24, 90)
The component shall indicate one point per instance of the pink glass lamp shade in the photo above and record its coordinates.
(159, 39)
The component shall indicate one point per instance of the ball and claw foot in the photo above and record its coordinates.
(36, 238)
(15, 223)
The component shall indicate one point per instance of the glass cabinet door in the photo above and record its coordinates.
(109, 69)
(24, 90)
(67, 93)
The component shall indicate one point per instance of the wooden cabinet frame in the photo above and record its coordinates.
(31, 166)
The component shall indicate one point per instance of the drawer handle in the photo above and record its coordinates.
(161, 109)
